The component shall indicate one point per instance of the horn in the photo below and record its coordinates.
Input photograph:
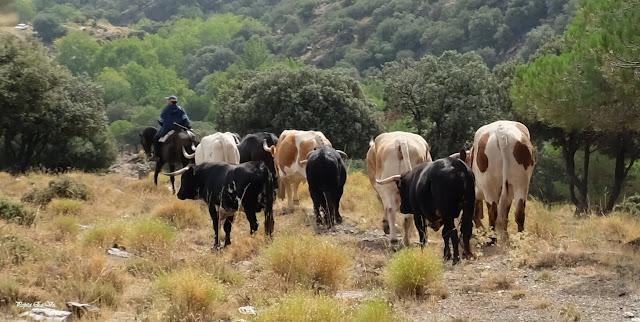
(265, 147)
(389, 180)
(193, 147)
(187, 155)
(179, 172)
(342, 154)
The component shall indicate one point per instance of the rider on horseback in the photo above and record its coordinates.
(171, 114)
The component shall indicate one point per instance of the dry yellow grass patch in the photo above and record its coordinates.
(191, 294)
(569, 313)
(518, 294)
(181, 213)
(616, 227)
(541, 222)
(307, 260)
(497, 281)
(543, 304)
(66, 226)
(412, 271)
(303, 307)
(64, 206)
(360, 202)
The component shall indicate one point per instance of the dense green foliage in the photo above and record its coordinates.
(64, 187)
(308, 98)
(588, 93)
(15, 212)
(49, 117)
(446, 98)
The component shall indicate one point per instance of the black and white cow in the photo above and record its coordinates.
(437, 191)
(326, 175)
(224, 187)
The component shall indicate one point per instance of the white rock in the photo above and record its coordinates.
(118, 252)
(250, 310)
(46, 314)
(629, 315)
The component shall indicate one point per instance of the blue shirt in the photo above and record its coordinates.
(172, 114)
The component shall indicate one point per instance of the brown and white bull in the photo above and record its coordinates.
(217, 147)
(502, 159)
(292, 148)
(391, 154)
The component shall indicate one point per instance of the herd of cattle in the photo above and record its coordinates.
(231, 174)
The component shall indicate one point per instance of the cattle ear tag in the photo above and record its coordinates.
(231, 188)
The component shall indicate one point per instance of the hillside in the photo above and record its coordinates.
(361, 34)
(560, 269)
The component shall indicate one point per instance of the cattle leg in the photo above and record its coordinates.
(492, 209)
(268, 222)
(227, 229)
(317, 198)
(448, 231)
(296, 199)
(520, 214)
(339, 196)
(422, 228)
(407, 229)
(288, 185)
(216, 225)
(172, 168)
(253, 221)
(478, 214)
(390, 215)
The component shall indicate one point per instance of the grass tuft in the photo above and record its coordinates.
(180, 214)
(105, 234)
(375, 310)
(150, 236)
(541, 222)
(303, 307)
(15, 250)
(66, 226)
(543, 304)
(412, 270)
(307, 259)
(191, 293)
(15, 212)
(569, 313)
(64, 206)
(497, 282)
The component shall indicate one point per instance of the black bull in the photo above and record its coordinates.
(437, 191)
(224, 187)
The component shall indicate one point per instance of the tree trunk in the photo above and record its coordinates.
(570, 146)
(620, 174)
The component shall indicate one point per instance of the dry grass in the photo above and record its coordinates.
(150, 236)
(541, 222)
(181, 214)
(497, 281)
(307, 259)
(412, 270)
(569, 313)
(191, 293)
(303, 307)
(106, 233)
(360, 202)
(375, 310)
(66, 226)
(65, 206)
(543, 304)
(616, 227)
(518, 294)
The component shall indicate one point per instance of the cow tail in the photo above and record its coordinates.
(503, 143)
(468, 205)
(268, 198)
(404, 148)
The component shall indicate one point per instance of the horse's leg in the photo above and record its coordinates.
(172, 168)
(158, 169)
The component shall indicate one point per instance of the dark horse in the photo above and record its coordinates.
(171, 150)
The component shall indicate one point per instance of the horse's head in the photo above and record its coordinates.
(146, 139)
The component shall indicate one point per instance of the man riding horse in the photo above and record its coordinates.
(172, 113)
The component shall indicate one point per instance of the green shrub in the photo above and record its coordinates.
(374, 310)
(411, 270)
(63, 187)
(64, 206)
(15, 212)
(14, 249)
(105, 234)
(303, 307)
(149, 236)
(630, 205)
(66, 225)
(190, 292)
(307, 259)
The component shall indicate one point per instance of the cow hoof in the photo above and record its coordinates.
(296, 202)
(339, 220)
(385, 227)
(456, 260)
(466, 255)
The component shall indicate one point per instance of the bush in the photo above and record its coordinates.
(190, 292)
(149, 236)
(180, 214)
(411, 270)
(375, 310)
(630, 205)
(65, 206)
(15, 212)
(63, 187)
(105, 234)
(302, 307)
(14, 249)
(307, 259)
(66, 225)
